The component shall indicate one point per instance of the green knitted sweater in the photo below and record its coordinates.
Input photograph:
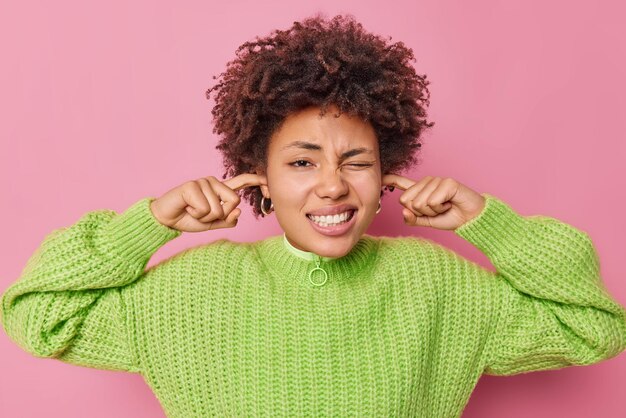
(400, 326)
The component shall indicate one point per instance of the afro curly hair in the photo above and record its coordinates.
(318, 62)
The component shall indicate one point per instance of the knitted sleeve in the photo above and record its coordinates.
(67, 303)
(548, 301)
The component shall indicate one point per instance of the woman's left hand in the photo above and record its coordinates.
(436, 202)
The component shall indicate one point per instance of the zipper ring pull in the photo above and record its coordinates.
(325, 276)
(317, 262)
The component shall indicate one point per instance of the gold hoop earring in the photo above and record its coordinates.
(379, 207)
(263, 206)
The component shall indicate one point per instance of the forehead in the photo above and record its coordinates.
(330, 132)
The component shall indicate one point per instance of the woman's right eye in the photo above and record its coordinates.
(298, 161)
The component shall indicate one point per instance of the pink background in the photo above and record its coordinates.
(103, 104)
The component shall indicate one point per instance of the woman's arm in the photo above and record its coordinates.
(547, 298)
(68, 305)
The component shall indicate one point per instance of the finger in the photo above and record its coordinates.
(216, 210)
(420, 201)
(227, 195)
(395, 180)
(230, 221)
(441, 197)
(409, 195)
(197, 203)
(411, 219)
(245, 180)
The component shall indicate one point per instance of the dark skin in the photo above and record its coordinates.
(301, 180)
(432, 201)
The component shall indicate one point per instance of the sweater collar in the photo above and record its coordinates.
(285, 261)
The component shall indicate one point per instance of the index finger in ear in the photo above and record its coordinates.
(395, 180)
(245, 180)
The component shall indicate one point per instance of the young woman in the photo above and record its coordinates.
(324, 319)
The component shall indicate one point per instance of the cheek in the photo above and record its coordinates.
(285, 188)
(366, 187)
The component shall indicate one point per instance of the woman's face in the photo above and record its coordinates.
(316, 164)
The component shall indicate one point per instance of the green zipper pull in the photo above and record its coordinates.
(317, 262)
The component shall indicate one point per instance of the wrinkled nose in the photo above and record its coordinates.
(331, 184)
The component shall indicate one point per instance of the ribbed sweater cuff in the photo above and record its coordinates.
(497, 228)
(135, 234)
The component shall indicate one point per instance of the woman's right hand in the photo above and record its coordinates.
(203, 204)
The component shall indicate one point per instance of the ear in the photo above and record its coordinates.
(264, 189)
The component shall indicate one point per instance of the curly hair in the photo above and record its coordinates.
(318, 62)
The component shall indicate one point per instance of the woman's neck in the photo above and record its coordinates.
(301, 253)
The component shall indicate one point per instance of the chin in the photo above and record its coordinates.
(334, 247)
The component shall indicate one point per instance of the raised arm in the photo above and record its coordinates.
(67, 304)
(547, 298)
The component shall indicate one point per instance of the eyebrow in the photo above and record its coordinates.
(315, 147)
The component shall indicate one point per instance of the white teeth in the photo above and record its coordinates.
(330, 219)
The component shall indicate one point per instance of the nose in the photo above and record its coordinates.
(331, 183)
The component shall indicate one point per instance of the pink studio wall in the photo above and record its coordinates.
(103, 104)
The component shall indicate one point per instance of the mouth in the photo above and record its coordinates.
(333, 225)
